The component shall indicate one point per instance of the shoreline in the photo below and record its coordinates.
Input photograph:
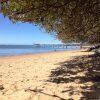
(38, 54)
(19, 52)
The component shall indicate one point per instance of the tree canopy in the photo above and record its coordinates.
(70, 20)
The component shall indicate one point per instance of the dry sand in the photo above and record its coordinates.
(27, 77)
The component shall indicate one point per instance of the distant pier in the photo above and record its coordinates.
(54, 45)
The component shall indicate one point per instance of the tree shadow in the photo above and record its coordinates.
(71, 71)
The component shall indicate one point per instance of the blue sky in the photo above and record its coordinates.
(22, 33)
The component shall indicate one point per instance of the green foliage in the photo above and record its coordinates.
(71, 20)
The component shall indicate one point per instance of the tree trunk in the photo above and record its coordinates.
(81, 45)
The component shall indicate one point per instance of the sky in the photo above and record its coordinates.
(23, 33)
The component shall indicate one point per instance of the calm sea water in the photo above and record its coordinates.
(11, 50)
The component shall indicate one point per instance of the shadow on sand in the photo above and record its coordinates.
(69, 71)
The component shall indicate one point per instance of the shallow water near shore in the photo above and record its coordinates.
(10, 51)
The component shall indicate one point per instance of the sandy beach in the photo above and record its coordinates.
(47, 76)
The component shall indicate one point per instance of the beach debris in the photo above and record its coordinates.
(1, 87)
